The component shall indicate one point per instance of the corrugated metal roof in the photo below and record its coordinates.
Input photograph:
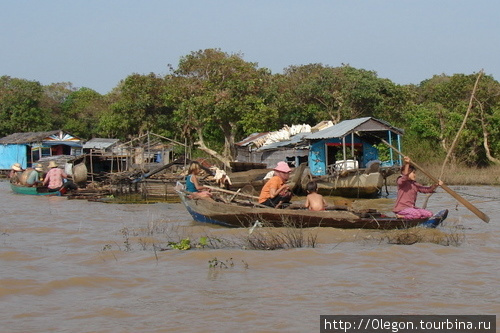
(294, 141)
(251, 138)
(100, 143)
(366, 124)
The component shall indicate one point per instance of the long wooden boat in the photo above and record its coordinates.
(353, 183)
(246, 214)
(32, 190)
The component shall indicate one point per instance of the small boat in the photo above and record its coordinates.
(42, 190)
(245, 213)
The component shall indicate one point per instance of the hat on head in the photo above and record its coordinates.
(17, 167)
(52, 164)
(39, 167)
(282, 167)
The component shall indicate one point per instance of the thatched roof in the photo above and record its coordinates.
(35, 137)
(28, 137)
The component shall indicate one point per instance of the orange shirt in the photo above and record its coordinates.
(275, 182)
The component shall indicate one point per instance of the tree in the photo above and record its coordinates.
(314, 92)
(221, 89)
(449, 97)
(81, 111)
(20, 109)
(53, 98)
(138, 107)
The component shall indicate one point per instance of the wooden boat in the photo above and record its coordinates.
(32, 190)
(352, 183)
(245, 213)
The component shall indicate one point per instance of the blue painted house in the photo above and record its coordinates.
(351, 143)
(28, 148)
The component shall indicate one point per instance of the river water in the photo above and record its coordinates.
(79, 266)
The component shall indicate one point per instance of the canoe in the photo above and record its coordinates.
(32, 190)
(352, 183)
(245, 213)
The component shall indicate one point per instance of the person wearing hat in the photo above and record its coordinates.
(56, 179)
(15, 173)
(275, 192)
(33, 175)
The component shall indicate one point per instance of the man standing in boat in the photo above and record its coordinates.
(275, 192)
(408, 189)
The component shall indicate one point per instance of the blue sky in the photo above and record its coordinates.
(97, 43)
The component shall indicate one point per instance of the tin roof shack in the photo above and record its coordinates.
(28, 148)
(133, 164)
(269, 148)
(103, 157)
(347, 158)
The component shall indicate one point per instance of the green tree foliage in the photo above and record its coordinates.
(54, 95)
(221, 89)
(214, 98)
(444, 101)
(20, 106)
(81, 110)
(138, 107)
(312, 93)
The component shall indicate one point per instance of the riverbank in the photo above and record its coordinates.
(457, 175)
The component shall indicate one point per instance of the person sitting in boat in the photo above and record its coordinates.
(193, 185)
(16, 170)
(314, 200)
(408, 189)
(275, 192)
(33, 175)
(57, 180)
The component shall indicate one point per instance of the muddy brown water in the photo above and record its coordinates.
(79, 266)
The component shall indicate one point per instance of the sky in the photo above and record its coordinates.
(98, 43)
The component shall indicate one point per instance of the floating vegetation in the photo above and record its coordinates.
(423, 235)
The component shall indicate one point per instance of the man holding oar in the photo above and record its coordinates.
(408, 189)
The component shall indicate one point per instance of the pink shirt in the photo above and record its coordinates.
(407, 193)
(54, 178)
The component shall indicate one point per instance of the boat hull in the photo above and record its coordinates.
(234, 215)
(32, 190)
(353, 185)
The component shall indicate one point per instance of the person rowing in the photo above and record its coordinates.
(408, 188)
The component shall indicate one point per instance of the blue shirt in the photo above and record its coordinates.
(32, 177)
(190, 187)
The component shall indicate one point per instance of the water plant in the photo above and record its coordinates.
(184, 244)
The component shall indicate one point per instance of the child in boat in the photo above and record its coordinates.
(408, 189)
(275, 193)
(314, 200)
(192, 184)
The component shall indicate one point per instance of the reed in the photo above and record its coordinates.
(459, 175)
(291, 235)
(423, 235)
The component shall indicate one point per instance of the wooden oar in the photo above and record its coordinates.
(464, 202)
(238, 194)
(232, 192)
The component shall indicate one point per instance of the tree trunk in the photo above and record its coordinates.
(201, 144)
(485, 138)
